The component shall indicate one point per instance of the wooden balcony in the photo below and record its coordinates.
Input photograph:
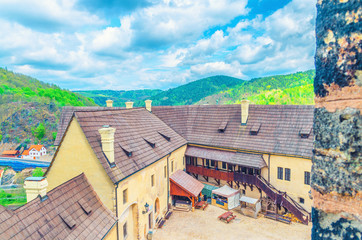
(209, 172)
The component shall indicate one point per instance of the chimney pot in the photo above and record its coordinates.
(107, 138)
(148, 105)
(244, 111)
(129, 105)
(109, 103)
(35, 186)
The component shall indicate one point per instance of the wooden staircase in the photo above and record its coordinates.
(280, 198)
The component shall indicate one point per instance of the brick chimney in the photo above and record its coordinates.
(129, 105)
(148, 105)
(244, 111)
(109, 103)
(35, 186)
(107, 138)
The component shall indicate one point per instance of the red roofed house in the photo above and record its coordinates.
(34, 152)
(10, 153)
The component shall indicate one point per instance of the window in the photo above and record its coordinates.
(165, 171)
(171, 166)
(125, 230)
(301, 200)
(307, 178)
(207, 162)
(287, 174)
(230, 167)
(184, 161)
(125, 196)
(280, 173)
(243, 191)
(188, 160)
(250, 171)
(224, 165)
(212, 163)
(152, 180)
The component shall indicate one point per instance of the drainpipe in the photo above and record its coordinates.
(168, 182)
(116, 188)
(269, 168)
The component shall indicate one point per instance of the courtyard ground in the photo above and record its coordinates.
(204, 225)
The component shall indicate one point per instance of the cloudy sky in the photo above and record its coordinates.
(136, 44)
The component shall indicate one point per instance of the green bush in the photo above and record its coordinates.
(40, 131)
(38, 172)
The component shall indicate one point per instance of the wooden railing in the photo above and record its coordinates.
(281, 198)
(209, 172)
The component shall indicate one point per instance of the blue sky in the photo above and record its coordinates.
(137, 44)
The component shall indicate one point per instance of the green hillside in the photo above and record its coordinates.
(296, 88)
(30, 109)
(120, 97)
(193, 92)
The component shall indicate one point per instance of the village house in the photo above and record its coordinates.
(10, 153)
(130, 154)
(72, 210)
(34, 152)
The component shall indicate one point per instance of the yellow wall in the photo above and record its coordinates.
(141, 192)
(112, 235)
(295, 187)
(75, 156)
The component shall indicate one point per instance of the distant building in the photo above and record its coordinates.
(34, 152)
(10, 153)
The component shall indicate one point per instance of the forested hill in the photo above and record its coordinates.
(193, 92)
(120, 97)
(30, 109)
(296, 88)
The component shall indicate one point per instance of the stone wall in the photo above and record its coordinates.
(336, 171)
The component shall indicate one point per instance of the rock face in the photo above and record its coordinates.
(336, 172)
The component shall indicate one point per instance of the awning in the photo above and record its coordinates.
(207, 190)
(218, 155)
(248, 200)
(225, 191)
(238, 158)
(248, 160)
(185, 184)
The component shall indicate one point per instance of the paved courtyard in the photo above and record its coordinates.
(204, 225)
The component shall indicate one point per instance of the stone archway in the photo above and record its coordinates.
(131, 217)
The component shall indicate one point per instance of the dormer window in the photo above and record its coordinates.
(127, 150)
(151, 142)
(223, 126)
(255, 129)
(305, 131)
(84, 205)
(67, 219)
(165, 136)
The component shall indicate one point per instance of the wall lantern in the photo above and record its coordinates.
(146, 208)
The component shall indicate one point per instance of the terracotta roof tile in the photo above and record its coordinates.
(186, 182)
(36, 147)
(279, 131)
(134, 129)
(42, 219)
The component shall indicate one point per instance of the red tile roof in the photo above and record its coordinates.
(44, 219)
(36, 147)
(133, 128)
(279, 127)
(25, 152)
(187, 183)
(10, 152)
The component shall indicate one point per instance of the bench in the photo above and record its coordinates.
(161, 222)
(278, 217)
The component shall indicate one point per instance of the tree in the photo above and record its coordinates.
(38, 172)
(40, 131)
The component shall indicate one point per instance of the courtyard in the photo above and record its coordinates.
(204, 225)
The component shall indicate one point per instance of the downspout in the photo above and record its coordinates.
(269, 168)
(168, 183)
(117, 210)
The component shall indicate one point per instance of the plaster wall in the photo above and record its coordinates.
(76, 156)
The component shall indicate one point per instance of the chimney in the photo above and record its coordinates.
(148, 105)
(129, 105)
(107, 137)
(109, 103)
(244, 111)
(35, 186)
